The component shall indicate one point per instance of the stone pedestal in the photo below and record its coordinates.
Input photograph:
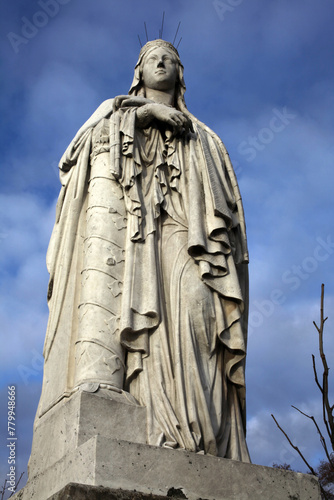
(75, 420)
(74, 491)
(91, 454)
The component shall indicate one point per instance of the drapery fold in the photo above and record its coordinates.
(184, 218)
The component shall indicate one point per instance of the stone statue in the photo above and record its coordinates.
(148, 270)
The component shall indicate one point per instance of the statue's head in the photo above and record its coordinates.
(146, 73)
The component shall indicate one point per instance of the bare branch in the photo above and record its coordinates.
(315, 373)
(324, 493)
(327, 409)
(3, 489)
(295, 447)
(322, 439)
(17, 484)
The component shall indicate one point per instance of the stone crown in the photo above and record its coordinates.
(158, 43)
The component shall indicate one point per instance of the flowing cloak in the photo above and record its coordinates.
(184, 215)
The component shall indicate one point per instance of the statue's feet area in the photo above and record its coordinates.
(108, 392)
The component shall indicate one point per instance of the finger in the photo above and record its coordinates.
(178, 119)
(115, 105)
(182, 126)
(178, 123)
(186, 128)
(174, 126)
(135, 101)
(185, 121)
(118, 101)
(177, 129)
(128, 102)
(176, 115)
(190, 127)
(171, 122)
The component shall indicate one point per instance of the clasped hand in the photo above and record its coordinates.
(149, 110)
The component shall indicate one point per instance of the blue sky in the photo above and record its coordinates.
(261, 75)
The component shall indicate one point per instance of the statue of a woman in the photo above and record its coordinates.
(148, 266)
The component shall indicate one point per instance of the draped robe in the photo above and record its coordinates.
(183, 308)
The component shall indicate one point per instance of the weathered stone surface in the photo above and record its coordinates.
(82, 492)
(77, 419)
(148, 288)
(158, 471)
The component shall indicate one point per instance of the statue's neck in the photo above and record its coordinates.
(161, 96)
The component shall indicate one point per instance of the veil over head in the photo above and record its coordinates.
(137, 83)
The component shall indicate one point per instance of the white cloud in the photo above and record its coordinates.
(280, 374)
(26, 223)
(268, 445)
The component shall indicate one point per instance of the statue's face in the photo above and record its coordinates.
(160, 69)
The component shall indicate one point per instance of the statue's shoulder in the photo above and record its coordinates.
(84, 133)
(103, 111)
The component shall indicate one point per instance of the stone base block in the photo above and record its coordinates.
(76, 419)
(74, 491)
(135, 467)
(77, 454)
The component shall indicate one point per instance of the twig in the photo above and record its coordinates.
(322, 439)
(315, 373)
(17, 484)
(327, 409)
(301, 455)
(295, 447)
(3, 489)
